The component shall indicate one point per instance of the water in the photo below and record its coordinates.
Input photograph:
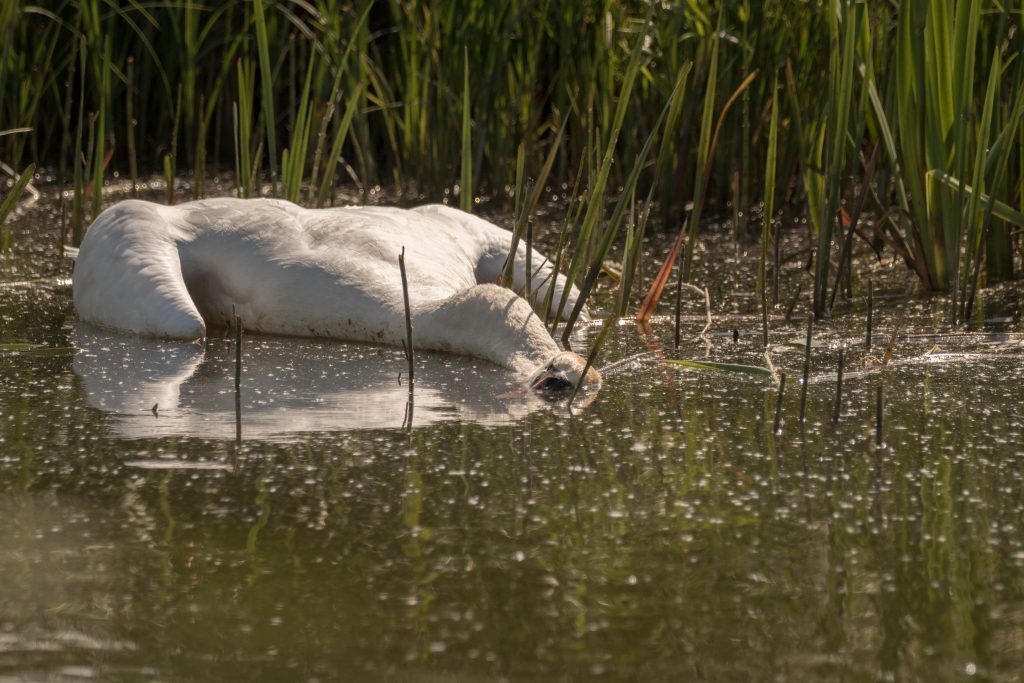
(659, 533)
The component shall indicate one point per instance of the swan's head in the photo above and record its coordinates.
(559, 376)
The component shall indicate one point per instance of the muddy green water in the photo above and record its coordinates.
(659, 533)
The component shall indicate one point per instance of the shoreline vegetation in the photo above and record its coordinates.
(898, 124)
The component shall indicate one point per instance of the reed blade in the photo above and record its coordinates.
(14, 196)
(466, 182)
(267, 90)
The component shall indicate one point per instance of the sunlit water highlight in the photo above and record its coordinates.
(661, 532)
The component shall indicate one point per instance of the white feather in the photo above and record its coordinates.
(177, 271)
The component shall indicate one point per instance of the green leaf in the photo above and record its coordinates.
(267, 93)
(466, 182)
(719, 367)
(34, 349)
(999, 209)
(15, 194)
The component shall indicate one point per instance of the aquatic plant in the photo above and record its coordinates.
(492, 100)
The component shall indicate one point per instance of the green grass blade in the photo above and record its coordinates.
(999, 209)
(703, 148)
(12, 198)
(718, 367)
(466, 180)
(340, 133)
(596, 192)
(841, 78)
(612, 227)
(768, 208)
(507, 278)
(339, 71)
(267, 91)
(292, 172)
(972, 226)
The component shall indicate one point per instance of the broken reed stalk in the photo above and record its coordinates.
(839, 387)
(777, 427)
(408, 320)
(871, 303)
(878, 415)
(661, 279)
(807, 366)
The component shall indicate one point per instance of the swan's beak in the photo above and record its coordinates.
(550, 383)
(561, 375)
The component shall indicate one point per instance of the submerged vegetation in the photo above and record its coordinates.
(898, 123)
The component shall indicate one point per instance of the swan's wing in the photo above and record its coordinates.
(495, 243)
(362, 244)
(128, 275)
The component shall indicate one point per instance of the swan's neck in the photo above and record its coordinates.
(486, 321)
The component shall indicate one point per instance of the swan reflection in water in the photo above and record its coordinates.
(289, 387)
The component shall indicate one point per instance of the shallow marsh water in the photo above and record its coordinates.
(661, 532)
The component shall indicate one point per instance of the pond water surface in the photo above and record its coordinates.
(660, 532)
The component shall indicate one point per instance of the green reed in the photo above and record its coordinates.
(426, 96)
(293, 161)
(11, 200)
(768, 211)
(267, 90)
(243, 107)
(588, 231)
(840, 102)
(466, 165)
(703, 152)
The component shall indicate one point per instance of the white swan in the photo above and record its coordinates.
(177, 271)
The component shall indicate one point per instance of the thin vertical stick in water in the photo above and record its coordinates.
(839, 387)
(807, 366)
(792, 302)
(777, 427)
(407, 418)
(238, 352)
(408, 320)
(871, 304)
(238, 378)
(777, 264)
(679, 306)
(407, 343)
(764, 320)
(878, 415)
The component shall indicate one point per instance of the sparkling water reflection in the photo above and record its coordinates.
(289, 388)
(660, 533)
